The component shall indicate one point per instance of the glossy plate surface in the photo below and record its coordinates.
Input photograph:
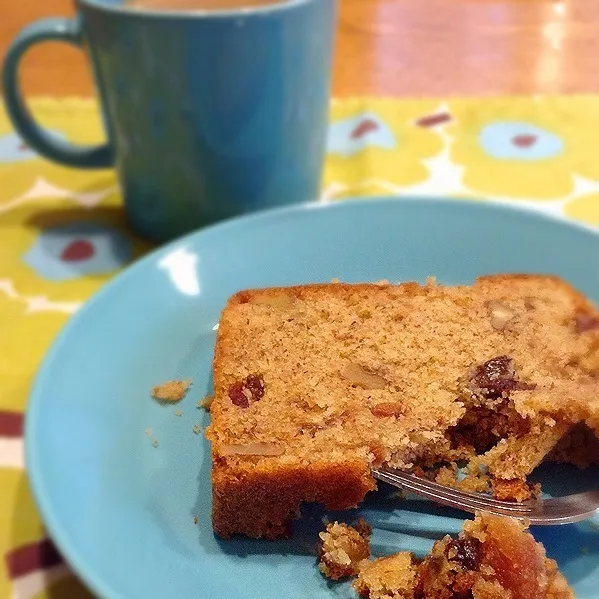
(122, 511)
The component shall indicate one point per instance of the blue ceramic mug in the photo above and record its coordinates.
(208, 114)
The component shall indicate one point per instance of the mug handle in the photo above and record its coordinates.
(64, 30)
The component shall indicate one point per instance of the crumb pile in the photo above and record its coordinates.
(314, 385)
(493, 558)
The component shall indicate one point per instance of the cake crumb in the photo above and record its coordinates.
(195, 519)
(391, 577)
(205, 403)
(197, 429)
(148, 432)
(475, 481)
(178, 413)
(512, 490)
(343, 549)
(171, 390)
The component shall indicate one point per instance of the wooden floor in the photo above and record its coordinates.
(399, 47)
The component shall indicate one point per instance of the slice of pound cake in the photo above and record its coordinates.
(316, 384)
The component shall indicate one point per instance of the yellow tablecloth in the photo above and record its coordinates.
(62, 236)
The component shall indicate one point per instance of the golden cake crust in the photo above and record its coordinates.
(261, 501)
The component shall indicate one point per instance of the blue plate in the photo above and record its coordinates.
(122, 510)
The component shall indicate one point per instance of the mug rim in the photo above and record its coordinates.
(197, 13)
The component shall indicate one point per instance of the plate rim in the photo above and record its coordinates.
(49, 515)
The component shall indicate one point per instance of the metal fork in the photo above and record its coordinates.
(559, 510)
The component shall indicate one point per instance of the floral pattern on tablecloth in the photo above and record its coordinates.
(63, 235)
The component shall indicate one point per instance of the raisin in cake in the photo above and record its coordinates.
(493, 558)
(314, 385)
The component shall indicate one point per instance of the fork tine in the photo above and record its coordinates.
(452, 497)
(560, 510)
(424, 484)
(568, 509)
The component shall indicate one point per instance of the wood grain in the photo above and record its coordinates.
(399, 48)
